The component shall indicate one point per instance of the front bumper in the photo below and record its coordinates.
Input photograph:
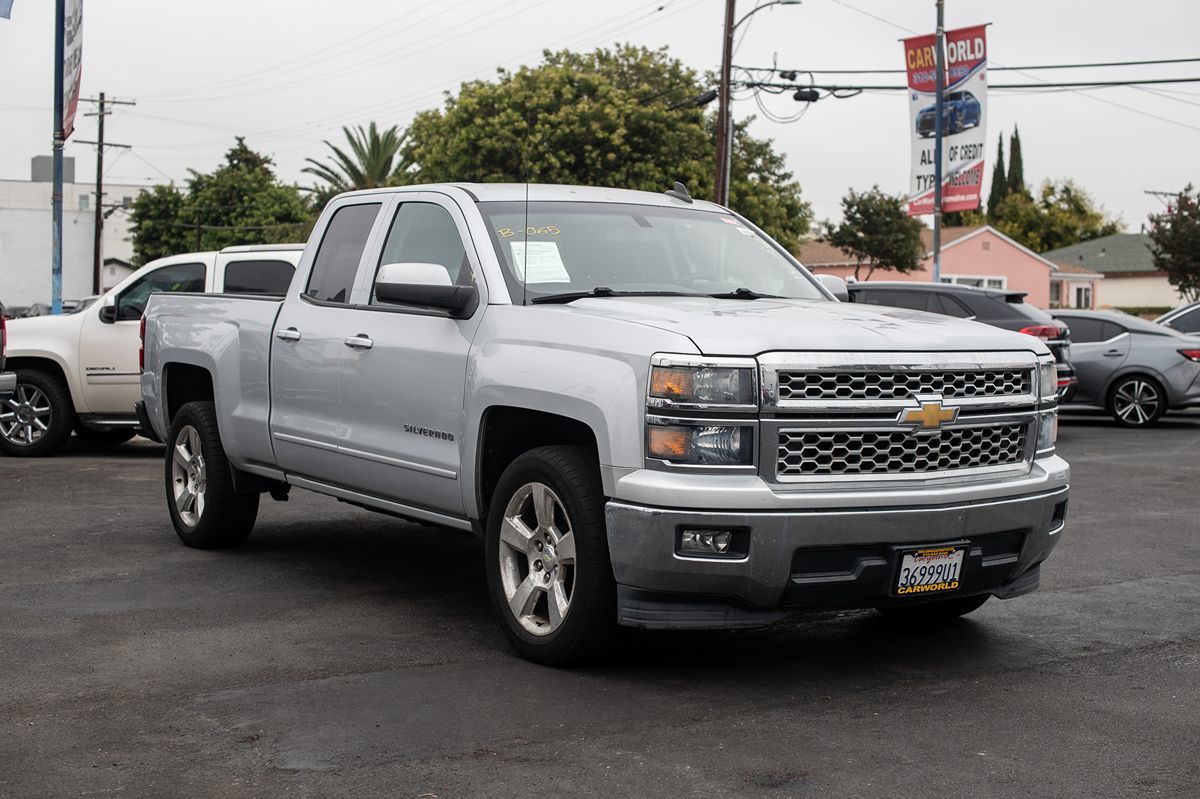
(826, 557)
(8, 384)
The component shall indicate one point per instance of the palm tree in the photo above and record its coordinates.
(374, 160)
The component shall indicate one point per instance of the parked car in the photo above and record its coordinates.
(960, 111)
(1185, 319)
(80, 371)
(8, 381)
(652, 413)
(996, 307)
(1136, 370)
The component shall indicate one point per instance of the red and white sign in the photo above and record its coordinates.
(964, 119)
(72, 63)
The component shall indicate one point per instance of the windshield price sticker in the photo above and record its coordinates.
(539, 261)
(545, 230)
(927, 571)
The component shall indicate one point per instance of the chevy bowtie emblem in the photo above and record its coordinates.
(928, 416)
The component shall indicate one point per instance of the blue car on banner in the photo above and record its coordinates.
(960, 110)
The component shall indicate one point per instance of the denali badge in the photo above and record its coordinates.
(425, 431)
(929, 416)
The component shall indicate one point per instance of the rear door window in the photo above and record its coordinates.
(1085, 330)
(1187, 322)
(949, 306)
(258, 277)
(895, 298)
(339, 253)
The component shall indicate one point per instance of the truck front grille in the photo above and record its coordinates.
(867, 452)
(896, 384)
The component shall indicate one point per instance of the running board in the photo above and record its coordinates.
(382, 505)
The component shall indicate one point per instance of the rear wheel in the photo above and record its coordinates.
(1137, 401)
(940, 610)
(37, 419)
(548, 569)
(205, 508)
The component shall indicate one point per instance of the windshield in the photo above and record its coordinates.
(561, 247)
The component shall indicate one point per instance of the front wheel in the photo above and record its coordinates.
(1137, 401)
(37, 419)
(548, 569)
(205, 507)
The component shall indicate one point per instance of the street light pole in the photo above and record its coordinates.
(724, 91)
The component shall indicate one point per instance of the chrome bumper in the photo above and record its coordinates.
(660, 588)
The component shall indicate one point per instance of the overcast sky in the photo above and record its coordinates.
(288, 73)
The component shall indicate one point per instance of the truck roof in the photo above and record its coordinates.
(264, 247)
(515, 192)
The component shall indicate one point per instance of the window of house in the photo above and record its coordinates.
(1083, 296)
(1055, 293)
(978, 281)
(84, 202)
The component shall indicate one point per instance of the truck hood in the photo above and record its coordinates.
(750, 327)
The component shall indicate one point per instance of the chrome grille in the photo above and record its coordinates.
(895, 384)
(866, 452)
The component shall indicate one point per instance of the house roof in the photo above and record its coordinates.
(1061, 268)
(1120, 252)
(818, 252)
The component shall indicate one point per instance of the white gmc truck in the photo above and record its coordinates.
(653, 415)
(80, 371)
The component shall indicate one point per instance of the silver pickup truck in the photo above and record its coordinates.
(653, 415)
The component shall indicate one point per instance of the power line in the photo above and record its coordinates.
(1095, 64)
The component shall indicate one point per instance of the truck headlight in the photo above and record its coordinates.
(1047, 431)
(675, 384)
(1047, 380)
(701, 445)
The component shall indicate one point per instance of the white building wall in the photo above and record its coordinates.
(1145, 292)
(25, 247)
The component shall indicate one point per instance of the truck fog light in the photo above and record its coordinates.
(705, 542)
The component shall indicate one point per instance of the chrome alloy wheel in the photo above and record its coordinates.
(537, 558)
(25, 417)
(189, 474)
(1136, 402)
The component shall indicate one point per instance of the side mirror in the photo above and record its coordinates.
(108, 311)
(835, 286)
(427, 285)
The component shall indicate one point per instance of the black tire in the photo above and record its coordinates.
(1137, 401)
(218, 515)
(588, 628)
(59, 419)
(102, 438)
(935, 611)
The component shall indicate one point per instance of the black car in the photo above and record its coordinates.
(1000, 308)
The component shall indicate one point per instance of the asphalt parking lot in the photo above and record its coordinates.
(341, 653)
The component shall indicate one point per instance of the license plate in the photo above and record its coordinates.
(929, 571)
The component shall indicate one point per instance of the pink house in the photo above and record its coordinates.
(973, 256)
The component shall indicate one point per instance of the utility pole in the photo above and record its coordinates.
(939, 47)
(100, 112)
(56, 193)
(724, 113)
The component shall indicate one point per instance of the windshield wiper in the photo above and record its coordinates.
(604, 291)
(744, 294)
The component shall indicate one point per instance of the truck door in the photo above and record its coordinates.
(307, 348)
(108, 341)
(404, 367)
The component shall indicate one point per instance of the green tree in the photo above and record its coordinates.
(1175, 242)
(999, 181)
(240, 202)
(878, 232)
(619, 117)
(1016, 166)
(1061, 215)
(373, 161)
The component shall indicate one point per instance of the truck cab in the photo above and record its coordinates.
(79, 372)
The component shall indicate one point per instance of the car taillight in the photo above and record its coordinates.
(1044, 332)
(1069, 380)
(142, 345)
(1191, 355)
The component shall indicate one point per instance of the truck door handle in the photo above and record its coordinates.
(1113, 354)
(359, 342)
(290, 334)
